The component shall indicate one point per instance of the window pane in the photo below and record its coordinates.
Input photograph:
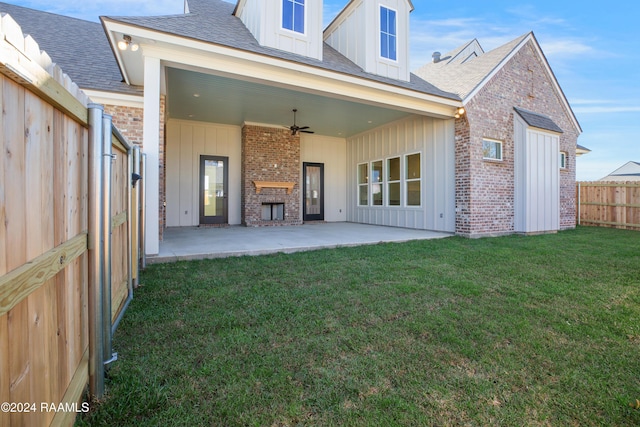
(298, 18)
(287, 14)
(491, 149)
(413, 193)
(362, 174)
(413, 166)
(392, 47)
(393, 169)
(391, 27)
(376, 171)
(376, 193)
(384, 45)
(394, 194)
(384, 19)
(363, 199)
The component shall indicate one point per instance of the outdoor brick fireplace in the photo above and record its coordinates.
(270, 177)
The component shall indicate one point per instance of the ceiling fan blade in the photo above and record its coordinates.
(307, 131)
(303, 127)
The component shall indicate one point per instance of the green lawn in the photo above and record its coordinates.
(512, 331)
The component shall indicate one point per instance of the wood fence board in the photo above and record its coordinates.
(19, 363)
(613, 204)
(75, 389)
(3, 181)
(14, 157)
(40, 369)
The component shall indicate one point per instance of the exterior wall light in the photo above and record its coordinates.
(127, 43)
(459, 112)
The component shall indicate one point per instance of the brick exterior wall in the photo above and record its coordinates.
(485, 189)
(270, 154)
(130, 123)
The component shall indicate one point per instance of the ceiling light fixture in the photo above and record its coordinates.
(127, 43)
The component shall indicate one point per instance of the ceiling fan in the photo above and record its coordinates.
(295, 128)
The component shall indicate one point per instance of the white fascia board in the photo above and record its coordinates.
(226, 61)
(114, 98)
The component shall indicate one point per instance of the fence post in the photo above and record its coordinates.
(95, 247)
(579, 202)
(136, 215)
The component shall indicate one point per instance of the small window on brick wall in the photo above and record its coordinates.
(563, 160)
(491, 149)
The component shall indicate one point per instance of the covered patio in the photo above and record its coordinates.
(191, 243)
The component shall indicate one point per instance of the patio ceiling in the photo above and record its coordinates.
(198, 96)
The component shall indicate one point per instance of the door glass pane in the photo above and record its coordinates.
(213, 197)
(312, 197)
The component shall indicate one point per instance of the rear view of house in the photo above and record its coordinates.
(254, 115)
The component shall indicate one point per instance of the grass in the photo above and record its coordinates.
(515, 330)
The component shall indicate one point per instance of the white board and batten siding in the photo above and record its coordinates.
(537, 179)
(263, 18)
(332, 152)
(186, 142)
(355, 33)
(434, 140)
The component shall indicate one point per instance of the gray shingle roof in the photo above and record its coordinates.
(538, 120)
(79, 47)
(212, 21)
(463, 78)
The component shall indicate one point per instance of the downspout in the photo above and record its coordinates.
(95, 247)
(108, 158)
(143, 213)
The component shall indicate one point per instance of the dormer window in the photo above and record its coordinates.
(293, 15)
(388, 33)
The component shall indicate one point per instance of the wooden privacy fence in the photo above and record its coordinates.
(609, 204)
(65, 278)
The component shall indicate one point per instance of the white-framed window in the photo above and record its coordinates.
(491, 149)
(363, 184)
(377, 184)
(413, 179)
(563, 160)
(388, 33)
(293, 15)
(393, 182)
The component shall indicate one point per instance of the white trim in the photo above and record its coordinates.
(408, 180)
(114, 98)
(493, 159)
(387, 181)
(151, 147)
(250, 66)
(384, 58)
(381, 183)
(359, 184)
(293, 32)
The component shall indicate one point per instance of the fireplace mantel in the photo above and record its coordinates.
(273, 184)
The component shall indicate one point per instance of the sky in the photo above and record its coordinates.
(590, 46)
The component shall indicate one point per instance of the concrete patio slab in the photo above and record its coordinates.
(189, 243)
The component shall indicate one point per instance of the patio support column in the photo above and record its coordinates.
(151, 145)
